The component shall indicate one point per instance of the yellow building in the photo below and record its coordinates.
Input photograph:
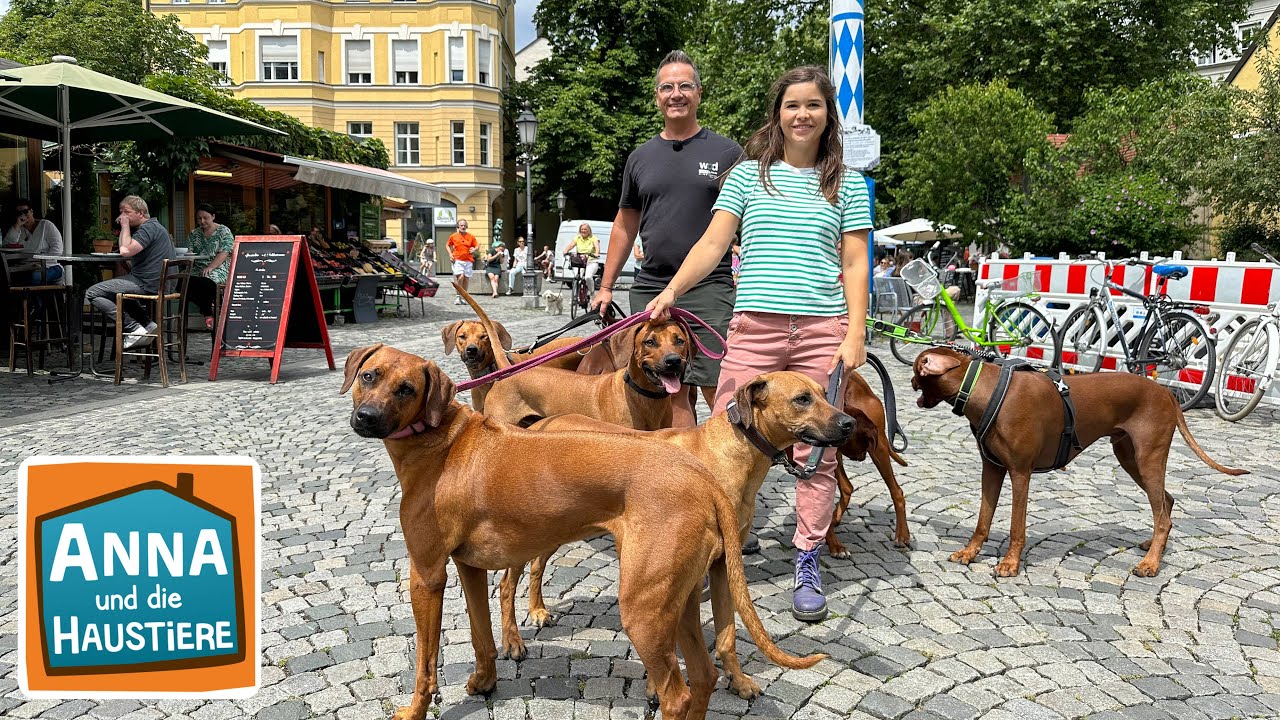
(426, 78)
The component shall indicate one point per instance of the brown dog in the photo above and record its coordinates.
(869, 438)
(471, 341)
(668, 517)
(784, 408)
(1135, 412)
(637, 397)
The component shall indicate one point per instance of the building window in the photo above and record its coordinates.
(279, 57)
(405, 61)
(1248, 32)
(457, 59)
(320, 67)
(484, 144)
(484, 61)
(218, 57)
(407, 144)
(359, 62)
(360, 130)
(459, 142)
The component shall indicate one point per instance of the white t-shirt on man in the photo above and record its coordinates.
(44, 240)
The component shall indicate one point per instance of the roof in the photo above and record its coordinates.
(250, 167)
(1260, 39)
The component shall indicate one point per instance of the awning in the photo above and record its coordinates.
(360, 178)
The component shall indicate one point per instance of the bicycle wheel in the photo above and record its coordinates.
(1248, 367)
(1083, 341)
(1175, 351)
(932, 320)
(576, 297)
(1021, 330)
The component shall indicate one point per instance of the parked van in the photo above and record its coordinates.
(599, 228)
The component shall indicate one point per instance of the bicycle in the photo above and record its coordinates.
(1170, 341)
(579, 295)
(1011, 325)
(1249, 362)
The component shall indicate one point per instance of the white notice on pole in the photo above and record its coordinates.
(861, 147)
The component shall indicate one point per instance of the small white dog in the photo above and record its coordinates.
(555, 302)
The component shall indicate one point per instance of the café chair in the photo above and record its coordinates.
(168, 310)
(41, 320)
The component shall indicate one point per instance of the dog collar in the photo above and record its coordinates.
(966, 386)
(414, 429)
(776, 456)
(655, 394)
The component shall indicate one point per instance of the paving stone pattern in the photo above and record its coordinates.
(910, 634)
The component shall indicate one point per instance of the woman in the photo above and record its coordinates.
(493, 264)
(803, 221)
(587, 245)
(215, 241)
(519, 255)
(427, 254)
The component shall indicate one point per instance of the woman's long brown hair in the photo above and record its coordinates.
(766, 144)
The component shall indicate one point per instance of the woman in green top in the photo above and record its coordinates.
(214, 241)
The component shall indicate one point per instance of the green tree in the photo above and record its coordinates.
(971, 142)
(594, 95)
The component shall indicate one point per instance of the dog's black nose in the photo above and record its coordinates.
(845, 423)
(366, 416)
(672, 361)
(471, 351)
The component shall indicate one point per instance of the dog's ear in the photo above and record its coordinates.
(935, 363)
(440, 392)
(622, 345)
(355, 359)
(504, 337)
(449, 334)
(747, 396)
(691, 343)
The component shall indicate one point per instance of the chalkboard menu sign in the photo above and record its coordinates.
(270, 302)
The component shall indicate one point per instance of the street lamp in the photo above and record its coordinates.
(560, 204)
(527, 129)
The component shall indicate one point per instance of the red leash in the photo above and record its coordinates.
(684, 317)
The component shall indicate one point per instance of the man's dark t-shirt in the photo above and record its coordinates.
(674, 192)
(157, 247)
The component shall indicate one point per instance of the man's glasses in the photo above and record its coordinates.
(668, 88)
(23, 211)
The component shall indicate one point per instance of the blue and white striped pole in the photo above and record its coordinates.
(861, 143)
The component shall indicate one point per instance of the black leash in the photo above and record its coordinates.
(782, 457)
(610, 316)
(892, 429)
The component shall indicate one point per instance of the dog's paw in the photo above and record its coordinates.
(1007, 567)
(836, 549)
(746, 688)
(514, 647)
(479, 684)
(964, 557)
(541, 618)
(1147, 568)
(902, 537)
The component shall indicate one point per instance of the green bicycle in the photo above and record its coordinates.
(1011, 324)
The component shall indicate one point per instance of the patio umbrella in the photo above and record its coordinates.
(65, 103)
(919, 230)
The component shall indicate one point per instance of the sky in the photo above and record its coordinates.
(524, 20)
(4, 6)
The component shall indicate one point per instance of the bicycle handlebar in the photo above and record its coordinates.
(1261, 251)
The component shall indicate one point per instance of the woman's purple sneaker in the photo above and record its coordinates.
(807, 601)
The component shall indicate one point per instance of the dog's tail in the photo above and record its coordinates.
(896, 457)
(1195, 446)
(727, 519)
(499, 353)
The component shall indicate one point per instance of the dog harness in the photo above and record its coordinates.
(1068, 441)
(782, 457)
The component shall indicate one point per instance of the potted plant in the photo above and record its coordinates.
(103, 241)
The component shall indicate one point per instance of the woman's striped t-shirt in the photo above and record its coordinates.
(790, 255)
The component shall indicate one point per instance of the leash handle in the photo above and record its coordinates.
(893, 429)
(605, 319)
(681, 316)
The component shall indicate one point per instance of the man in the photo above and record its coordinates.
(668, 188)
(462, 245)
(37, 236)
(147, 245)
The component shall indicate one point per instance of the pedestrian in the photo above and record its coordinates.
(427, 254)
(803, 219)
(461, 246)
(146, 244)
(519, 256)
(214, 241)
(493, 264)
(668, 189)
(546, 260)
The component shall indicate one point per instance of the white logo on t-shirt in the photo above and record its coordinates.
(708, 169)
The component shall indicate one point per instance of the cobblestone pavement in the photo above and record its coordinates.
(910, 634)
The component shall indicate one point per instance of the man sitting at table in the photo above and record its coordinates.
(147, 245)
(38, 237)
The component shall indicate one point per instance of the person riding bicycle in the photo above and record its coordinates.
(584, 251)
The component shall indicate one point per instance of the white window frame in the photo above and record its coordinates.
(395, 71)
(486, 142)
(409, 152)
(351, 130)
(321, 70)
(480, 57)
(225, 62)
(449, 55)
(346, 60)
(457, 132)
(293, 71)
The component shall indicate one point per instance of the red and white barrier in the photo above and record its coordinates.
(1233, 291)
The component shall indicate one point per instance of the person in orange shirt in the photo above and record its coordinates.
(461, 246)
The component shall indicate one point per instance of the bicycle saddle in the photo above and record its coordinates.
(1173, 272)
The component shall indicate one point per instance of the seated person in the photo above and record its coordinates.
(38, 237)
(147, 244)
(588, 246)
(215, 241)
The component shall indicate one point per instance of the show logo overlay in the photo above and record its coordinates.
(139, 577)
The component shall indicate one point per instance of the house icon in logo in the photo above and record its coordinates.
(144, 578)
